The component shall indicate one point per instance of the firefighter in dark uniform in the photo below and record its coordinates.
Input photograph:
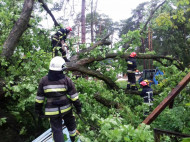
(131, 69)
(61, 95)
(147, 95)
(58, 42)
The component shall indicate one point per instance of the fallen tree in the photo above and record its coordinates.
(77, 64)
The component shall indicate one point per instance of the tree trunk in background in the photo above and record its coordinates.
(92, 24)
(143, 51)
(83, 21)
(150, 46)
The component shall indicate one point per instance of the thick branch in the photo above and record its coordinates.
(18, 29)
(101, 42)
(79, 65)
(151, 15)
(106, 102)
(49, 12)
(109, 103)
(88, 60)
(82, 69)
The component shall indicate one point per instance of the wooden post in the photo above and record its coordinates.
(167, 100)
(156, 136)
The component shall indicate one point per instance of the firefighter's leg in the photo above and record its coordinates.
(70, 123)
(56, 126)
(55, 51)
(133, 82)
(129, 81)
(54, 44)
(147, 108)
(64, 55)
(128, 85)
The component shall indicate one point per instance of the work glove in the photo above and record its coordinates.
(39, 113)
(79, 111)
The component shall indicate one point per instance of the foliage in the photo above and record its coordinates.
(21, 73)
(102, 24)
(2, 120)
(97, 116)
(130, 112)
(99, 122)
(112, 129)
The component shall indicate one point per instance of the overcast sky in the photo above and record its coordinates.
(118, 9)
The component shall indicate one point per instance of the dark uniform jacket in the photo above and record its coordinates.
(147, 94)
(56, 43)
(131, 65)
(60, 94)
(59, 36)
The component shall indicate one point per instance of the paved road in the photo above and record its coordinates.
(125, 78)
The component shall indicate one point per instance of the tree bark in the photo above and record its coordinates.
(83, 22)
(19, 28)
(92, 22)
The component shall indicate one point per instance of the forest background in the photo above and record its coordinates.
(159, 31)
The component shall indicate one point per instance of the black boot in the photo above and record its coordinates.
(72, 139)
(134, 88)
(128, 86)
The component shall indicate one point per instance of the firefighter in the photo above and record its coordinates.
(131, 69)
(58, 42)
(61, 94)
(147, 95)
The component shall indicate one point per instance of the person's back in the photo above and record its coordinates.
(55, 87)
(131, 64)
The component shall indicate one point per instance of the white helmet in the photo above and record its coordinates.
(57, 64)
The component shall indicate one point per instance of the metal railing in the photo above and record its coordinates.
(159, 132)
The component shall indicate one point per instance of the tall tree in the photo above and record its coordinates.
(92, 23)
(83, 21)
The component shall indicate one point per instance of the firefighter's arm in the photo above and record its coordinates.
(74, 96)
(142, 94)
(39, 100)
(135, 65)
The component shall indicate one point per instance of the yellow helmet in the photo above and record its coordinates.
(146, 81)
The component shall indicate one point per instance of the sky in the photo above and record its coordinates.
(118, 9)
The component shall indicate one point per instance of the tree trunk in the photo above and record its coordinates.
(83, 21)
(20, 26)
(92, 23)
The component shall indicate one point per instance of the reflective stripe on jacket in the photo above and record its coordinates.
(131, 65)
(147, 94)
(56, 93)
